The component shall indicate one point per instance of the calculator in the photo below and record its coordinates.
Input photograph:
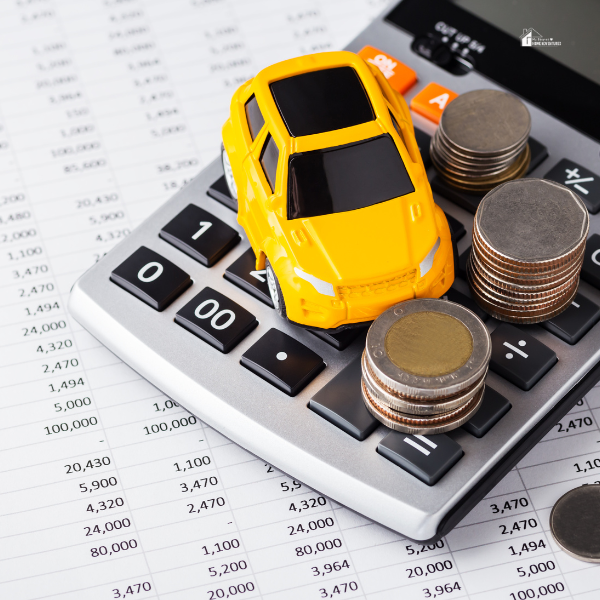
(181, 301)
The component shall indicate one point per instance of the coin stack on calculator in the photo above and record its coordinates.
(481, 140)
(424, 366)
(528, 246)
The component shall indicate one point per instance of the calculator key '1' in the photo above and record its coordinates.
(200, 235)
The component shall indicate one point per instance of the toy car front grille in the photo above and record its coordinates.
(378, 287)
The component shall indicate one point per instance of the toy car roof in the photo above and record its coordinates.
(322, 100)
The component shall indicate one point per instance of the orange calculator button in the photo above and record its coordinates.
(399, 76)
(431, 101)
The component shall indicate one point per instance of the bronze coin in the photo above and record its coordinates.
(517, 296)
(533, 269)
(520, 283)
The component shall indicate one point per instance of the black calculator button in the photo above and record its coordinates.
(539, 153)
(462, 262)
(151, 278)
(423, 142)
(341, 403)
(590, 271)
(342, 339)
(283, 361)
(220, 192)
(200, 235)
(216, 319)
(492, 409)
(519, 357)
(243, 273)
(572, 324)
(456, 227)
(428, 458)
(463, 199)
(455, 296)
(583, 182)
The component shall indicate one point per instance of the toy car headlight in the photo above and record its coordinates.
(426, 264)
(323, 287)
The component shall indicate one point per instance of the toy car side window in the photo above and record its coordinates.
(408, 147)
(268, 159)
(254, 117)
(398, 130)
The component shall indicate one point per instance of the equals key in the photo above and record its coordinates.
(519, 357)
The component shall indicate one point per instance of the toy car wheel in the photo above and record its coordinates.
(275, 290)
(228, 171)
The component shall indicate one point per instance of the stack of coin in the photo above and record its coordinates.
(481, 141)
(424, 366)
(528, 245)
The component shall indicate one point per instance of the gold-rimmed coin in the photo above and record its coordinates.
(428, 348)
(424, 366)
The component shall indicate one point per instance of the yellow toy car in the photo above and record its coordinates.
(320, 153)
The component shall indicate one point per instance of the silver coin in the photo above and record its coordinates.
(532, 221)
(486, 122)
(452, 155)
(575, 523)
(444, 356)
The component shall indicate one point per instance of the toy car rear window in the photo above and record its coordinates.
(322, 101)
(357, 175)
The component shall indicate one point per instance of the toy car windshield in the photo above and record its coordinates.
(343, 178)
(321, 101)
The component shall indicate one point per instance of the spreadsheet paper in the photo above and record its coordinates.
(109, 489)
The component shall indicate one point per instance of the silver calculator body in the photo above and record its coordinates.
(283, 430)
